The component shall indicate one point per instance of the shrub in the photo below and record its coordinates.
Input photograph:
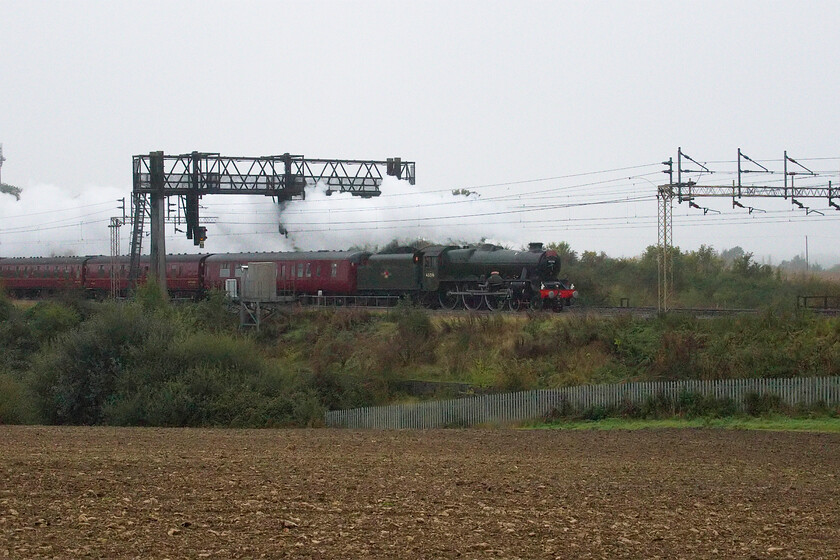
(336, 391)
(6, 306)
(762, 404)
(214, 313)
(15, 404)
(151, 297)
(49, 319)
(77, 373)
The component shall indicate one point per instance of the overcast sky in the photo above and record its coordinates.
(536, 98)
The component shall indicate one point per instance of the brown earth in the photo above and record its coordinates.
(177, 493)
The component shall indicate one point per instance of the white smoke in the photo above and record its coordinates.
(402, 212)
(50, 220)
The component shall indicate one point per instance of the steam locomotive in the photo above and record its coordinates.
(450, 277)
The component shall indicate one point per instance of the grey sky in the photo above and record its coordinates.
(476, 93)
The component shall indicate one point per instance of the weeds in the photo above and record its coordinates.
(152, 364)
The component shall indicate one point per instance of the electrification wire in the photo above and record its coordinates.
(557, 224)
(54, 211)
(465, 216)
(508, 183)
(294, 211)
(40, 228)
(73, 220)
(605, 222)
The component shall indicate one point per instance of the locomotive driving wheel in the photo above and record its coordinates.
(447, 299)
(471, 302)
(536, 302)
(496, 302)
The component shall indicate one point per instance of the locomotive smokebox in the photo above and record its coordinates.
(535, 247)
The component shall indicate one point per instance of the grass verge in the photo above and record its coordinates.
(773, 423)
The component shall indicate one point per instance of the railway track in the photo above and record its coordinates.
(384, 304)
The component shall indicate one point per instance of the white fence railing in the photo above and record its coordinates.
(512, 408)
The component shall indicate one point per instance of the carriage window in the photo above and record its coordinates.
(238, 271)
(102, 271)
(318, 271)
(56, 272)
(309, 270)
(282, 271)
(300, 270)
(224, 270)
(334, 270)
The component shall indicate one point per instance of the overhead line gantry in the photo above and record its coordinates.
(688, 191)
(157, 176)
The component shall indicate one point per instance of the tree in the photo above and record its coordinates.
(729, 256)
(564, 251)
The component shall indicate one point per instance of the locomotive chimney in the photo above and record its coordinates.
(535, 247)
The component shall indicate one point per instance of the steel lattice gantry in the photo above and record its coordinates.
(191, 176)
(665, 236)
(688, 191)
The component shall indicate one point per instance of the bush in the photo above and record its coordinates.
(15, 404)
(763, 404)
(6, 306)
(151, 297)
(213, 314)
(49, 319)
(77, 373)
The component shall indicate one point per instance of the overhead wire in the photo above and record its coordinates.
(616, 187)
(28, 214)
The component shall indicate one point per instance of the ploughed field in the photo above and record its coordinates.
(186, 493)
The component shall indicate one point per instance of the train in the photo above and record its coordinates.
(440, 276)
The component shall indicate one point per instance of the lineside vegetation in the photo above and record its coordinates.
(146, 362)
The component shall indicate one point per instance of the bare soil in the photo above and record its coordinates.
(178, 493)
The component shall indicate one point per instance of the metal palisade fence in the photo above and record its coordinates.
(512, 408)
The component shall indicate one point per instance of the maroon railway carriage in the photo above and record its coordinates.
(31, 277)
(184, 274)
(330, 272)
